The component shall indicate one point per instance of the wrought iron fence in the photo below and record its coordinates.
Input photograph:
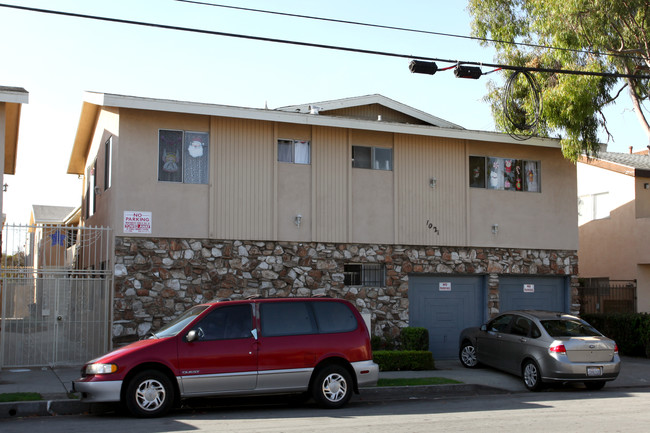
(55, 285)
(607, 296)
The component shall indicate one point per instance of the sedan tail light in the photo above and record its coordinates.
(558, 348)
(615, 349)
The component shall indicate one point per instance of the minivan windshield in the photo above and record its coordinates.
(175, 326)
(569, 328)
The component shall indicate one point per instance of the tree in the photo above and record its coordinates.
(604, 36)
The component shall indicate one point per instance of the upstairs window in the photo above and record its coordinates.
(375, 158)
(507, 174)
(295, 151)
(593, 207)
(108, 163)
(366, 274)
(183, 156)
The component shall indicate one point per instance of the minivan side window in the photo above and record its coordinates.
(334, 317)
(226, 323)
(286, 318)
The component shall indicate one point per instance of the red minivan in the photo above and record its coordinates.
(243, 347)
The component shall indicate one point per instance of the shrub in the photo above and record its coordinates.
(396, 360)
(630, 331)
(414, 338)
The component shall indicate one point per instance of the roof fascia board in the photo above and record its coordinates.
(609, 165)
(82, 140)
(310, 119)
(14, 95)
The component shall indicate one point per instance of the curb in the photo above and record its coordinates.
(367, 395)
(42, 408)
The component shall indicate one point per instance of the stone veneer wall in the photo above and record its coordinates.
(158, 278)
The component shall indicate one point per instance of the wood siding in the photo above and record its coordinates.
(372, 111)
(331, 168)
(242, 178)
(426, 215)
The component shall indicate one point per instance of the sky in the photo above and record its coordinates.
(56, 58)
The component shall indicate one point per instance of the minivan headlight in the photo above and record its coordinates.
(100, 369)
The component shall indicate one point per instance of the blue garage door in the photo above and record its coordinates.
(533, 293)
(445, 306)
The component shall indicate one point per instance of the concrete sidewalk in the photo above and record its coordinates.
(55, 385)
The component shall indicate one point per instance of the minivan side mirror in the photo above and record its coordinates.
(192, 336)
(254, 332)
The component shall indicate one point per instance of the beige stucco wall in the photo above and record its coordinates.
(3, 123)
(526, 219)
(608, 245)
(643, 288)
(252, 196)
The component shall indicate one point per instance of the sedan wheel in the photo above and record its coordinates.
(149, 394)
(532, 375)
(332, 388)
(468, 356)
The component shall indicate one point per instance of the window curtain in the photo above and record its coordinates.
(301, 152)
(196, 160)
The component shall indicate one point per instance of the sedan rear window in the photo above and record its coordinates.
(569, 328)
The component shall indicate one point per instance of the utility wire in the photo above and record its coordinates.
(406, 29)
(323, 46)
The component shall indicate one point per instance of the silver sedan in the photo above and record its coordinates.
(542, 347)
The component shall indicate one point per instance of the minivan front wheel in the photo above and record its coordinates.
(149, 394)
(332, 387)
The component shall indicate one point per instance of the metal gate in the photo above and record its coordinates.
(56, 294)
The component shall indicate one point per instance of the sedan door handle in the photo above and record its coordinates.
(523, 340)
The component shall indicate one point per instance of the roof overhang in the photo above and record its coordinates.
(615, 167)
(13, 98)
(83, 139)
(93, 101)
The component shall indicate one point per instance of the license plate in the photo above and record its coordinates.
(594, 371)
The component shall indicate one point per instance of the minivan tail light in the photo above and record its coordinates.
(558, 348)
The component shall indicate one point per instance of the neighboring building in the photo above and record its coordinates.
(415, 220)
(614, 220)
(11, 100)
(50, 236)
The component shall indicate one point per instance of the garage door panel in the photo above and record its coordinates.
(447, 311)
(533, 293)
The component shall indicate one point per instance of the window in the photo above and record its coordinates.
(226, 323)
(286, 318)
(295, 151)
(183, 156)
(593, 207)
(108, 163)
(500, 324)
(376, 158)
(367, 275)
(334, 317)
(91, 192)
(504, 174)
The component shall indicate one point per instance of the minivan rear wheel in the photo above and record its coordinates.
(332, 387)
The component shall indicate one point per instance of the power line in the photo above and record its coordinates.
(323, 46)
(404, 29)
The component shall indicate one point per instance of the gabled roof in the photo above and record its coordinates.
(13, 97)
(337, 104)
(43, 214)
(630, 164)
(93, 101)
